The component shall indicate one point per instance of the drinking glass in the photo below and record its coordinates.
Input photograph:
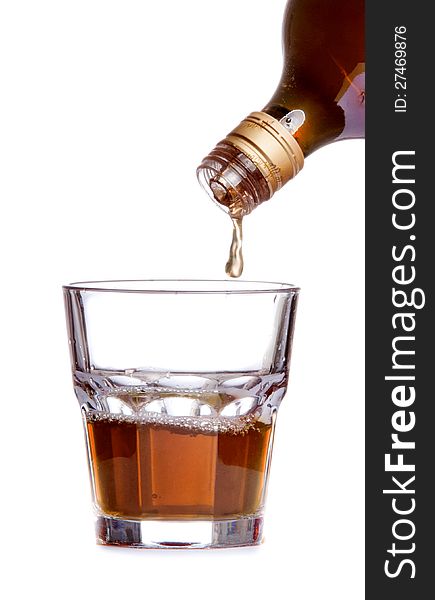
(179, 384)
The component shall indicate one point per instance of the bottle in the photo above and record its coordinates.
(320, 99)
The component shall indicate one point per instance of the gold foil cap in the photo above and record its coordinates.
(270, 146)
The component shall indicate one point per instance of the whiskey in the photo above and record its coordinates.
(234, 266)
(319, 100)
(179, 384)
(158, 466)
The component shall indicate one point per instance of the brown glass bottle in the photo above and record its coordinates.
(320, 99)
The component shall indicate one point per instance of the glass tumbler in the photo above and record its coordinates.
(179, 383)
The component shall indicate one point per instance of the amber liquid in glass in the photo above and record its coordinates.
(178, 467)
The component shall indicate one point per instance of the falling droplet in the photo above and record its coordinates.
(234, 266)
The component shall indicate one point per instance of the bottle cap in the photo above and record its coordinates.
(270, 146)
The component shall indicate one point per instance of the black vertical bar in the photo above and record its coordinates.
(400, 521)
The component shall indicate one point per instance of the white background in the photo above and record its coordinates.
(106, 108)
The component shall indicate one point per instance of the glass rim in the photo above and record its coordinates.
(182, 286)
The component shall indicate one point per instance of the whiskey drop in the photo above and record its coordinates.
(234, 266)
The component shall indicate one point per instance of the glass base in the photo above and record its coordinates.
(245, 531)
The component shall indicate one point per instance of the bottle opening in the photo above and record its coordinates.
(232, 180)
(254, 161)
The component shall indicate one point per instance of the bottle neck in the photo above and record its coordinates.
(331, 117)
(254, 161)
